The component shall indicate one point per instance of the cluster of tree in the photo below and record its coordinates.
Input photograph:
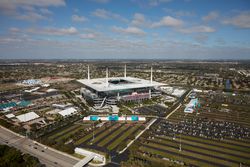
(9, 156)
(12, 127)
(61, 122)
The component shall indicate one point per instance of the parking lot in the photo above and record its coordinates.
(211, 136)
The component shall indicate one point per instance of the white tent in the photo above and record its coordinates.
(10, 116)
(27, 117)
(68, 111)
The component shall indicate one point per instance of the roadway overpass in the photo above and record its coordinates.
(47, 156)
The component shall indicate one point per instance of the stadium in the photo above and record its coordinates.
(110, 90)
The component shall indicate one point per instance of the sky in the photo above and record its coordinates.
(125, 29)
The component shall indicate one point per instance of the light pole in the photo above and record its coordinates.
(93, 132)
(180, 142)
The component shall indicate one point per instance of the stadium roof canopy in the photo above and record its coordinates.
(27, 117)
(118, 83)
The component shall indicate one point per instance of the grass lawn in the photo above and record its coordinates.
(112, 136)
(69, 133)
(123, 137)
(217, 143)
(235, 152)
(103, 134)
(164, 154)
(55, 135)
(85, 138)
(78, 156)
(187, 153)
(239, 142)
(203, 150)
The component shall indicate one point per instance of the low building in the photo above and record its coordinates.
(114, 118)
(27, 117)
(10, 116)
(68, 111)
(191, 106)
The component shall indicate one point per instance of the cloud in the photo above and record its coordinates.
(77, 18)
(105, 14)
(157, 2)
(242, 20)
(220, 41)
(129, 31)
(27, 9)
(139, 20)
(196, 29)
(31, 16)
(53, 31)
(150, 3)
(11, 5)
(211, 16)
(88, 36)
(168, 21)
(201, 38)
(14, 30)
(179, 13)
(116, 48)
(45, 11)
(101, 1)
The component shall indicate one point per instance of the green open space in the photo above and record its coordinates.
(123, 137)
(238, 142)
(113, 135)
(191, 154)
(103, 134)
(217, 143)
(204, 145)
(170, 156)
(55, 135)
(88, 136)
(69, 133)
(202, 150)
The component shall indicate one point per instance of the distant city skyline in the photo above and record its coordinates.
(130, 29)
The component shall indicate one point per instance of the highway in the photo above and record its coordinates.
(47, 156)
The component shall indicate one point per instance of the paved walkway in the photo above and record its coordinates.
(173, 111)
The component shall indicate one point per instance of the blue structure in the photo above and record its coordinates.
(134, 118)
(228, 84)
(22, 103)
(113, 118)
(94, 118)
(192, 105)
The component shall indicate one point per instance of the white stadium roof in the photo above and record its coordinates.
(27, 117)
(100, 84)
(67, 111)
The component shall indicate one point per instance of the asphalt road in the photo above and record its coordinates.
(47, 156)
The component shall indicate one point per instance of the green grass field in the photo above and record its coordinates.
(88, 136)
(105, 133)
(123, 137)
(55, 135)
(204, 150)
(112, 136)
(193, 155)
